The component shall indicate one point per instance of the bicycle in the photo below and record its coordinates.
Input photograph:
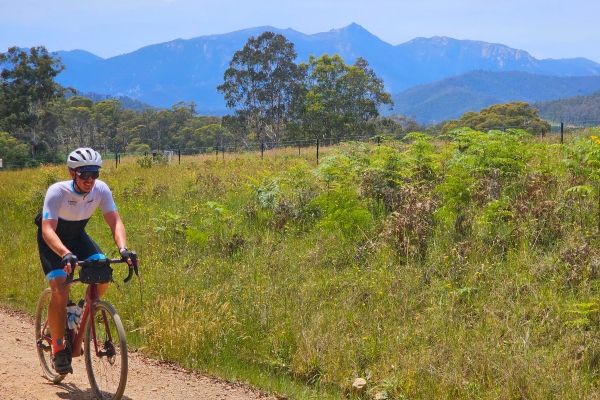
(100, 331)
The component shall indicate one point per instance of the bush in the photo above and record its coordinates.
(12, 152)
(148, 161)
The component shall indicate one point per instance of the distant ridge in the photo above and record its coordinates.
(451, 97)
(126, 102)
(190, 69)
(580, 110)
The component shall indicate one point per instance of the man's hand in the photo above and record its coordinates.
(69, 262)
(128, 255)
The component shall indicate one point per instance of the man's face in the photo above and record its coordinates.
(84, 179)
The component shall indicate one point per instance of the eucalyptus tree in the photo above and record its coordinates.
(27, 89)
(340, 99)
(261, 83)
(106, 116)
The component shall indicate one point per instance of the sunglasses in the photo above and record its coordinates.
(85, 175)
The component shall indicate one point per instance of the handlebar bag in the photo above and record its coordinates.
(96, 274)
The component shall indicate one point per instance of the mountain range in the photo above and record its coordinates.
(190, 69)
(451, 97)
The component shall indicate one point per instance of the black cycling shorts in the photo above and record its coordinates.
(77, 241)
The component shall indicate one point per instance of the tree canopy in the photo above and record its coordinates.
(517, 115)
(340, 99)
(261, 82)
(27, 89)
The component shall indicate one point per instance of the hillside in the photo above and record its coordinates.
(579, 110)
(126, 102)
(451, 97)
(190, 69)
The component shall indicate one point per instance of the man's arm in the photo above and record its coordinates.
(53, 241)
(113, 219)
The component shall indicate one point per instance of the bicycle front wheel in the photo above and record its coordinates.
(105, 351)
(43, 339)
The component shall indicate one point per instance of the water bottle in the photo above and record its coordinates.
(74, 312)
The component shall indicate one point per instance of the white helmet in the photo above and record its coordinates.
(84, 156)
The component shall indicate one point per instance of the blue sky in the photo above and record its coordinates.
(546, 29)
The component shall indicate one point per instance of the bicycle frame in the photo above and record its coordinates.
(91, 298)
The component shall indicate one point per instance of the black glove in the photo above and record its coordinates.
(69, 258)
(128, 254)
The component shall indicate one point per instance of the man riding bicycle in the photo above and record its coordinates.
(62, 239)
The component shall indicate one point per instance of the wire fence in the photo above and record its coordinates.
(303, 146)
(312, 147)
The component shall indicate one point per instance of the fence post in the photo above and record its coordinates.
(179, 155)
(298, 148)
(223, 151)
(262, 149)
(562, 126)
(317, 151)
(216, 152)
(116, 160)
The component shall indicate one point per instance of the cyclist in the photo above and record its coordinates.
(62, 239)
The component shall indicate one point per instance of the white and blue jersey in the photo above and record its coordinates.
(63, 202)
(72, 211)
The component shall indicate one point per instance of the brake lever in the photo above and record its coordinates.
(132, 268)
(129, 275)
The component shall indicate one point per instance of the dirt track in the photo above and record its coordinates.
(21, 376)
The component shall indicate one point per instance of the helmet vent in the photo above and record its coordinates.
(84, 156)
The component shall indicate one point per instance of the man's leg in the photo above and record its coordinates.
(57, 316)
(57, 312)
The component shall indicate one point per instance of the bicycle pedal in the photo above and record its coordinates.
(41, 345)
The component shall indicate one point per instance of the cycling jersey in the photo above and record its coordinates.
(63, 202)
(72, 210)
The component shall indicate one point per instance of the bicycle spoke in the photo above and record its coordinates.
(106, 353)
(43, 338)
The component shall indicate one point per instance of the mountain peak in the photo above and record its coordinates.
(354, 29)
(77, 55)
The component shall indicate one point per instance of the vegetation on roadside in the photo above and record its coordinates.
(458, 268)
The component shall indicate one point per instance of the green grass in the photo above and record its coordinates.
(453, 269)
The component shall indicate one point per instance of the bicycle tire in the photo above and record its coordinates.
(42, 344)
(107, 373)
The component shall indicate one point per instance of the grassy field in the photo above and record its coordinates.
(459, 268)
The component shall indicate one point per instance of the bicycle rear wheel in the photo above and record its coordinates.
(42, 337)
(105, 351)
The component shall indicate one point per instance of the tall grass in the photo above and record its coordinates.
(465, 268)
